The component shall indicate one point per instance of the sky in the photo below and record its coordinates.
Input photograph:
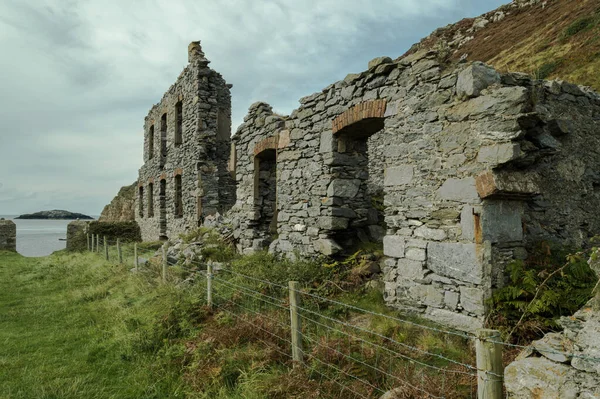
(77, 77)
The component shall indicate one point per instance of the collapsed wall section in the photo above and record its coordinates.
(8, 235)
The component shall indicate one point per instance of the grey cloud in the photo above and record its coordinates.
(78, 77)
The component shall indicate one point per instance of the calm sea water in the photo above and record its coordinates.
(39, 237)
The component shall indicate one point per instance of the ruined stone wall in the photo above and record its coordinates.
(8, 235)
(453, 150)
(200, 158)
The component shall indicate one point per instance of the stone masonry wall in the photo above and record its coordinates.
(456, 169)
(200, 158)
(461, 154)
(8, 235)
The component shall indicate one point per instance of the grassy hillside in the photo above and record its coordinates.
(553, 39)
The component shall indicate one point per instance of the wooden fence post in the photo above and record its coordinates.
(88, 241)
(209, 275)
(92, 242)
(489, 364)
(164, 263)
(296, 324)
(98, 243)
(135, 257)
(119, 251)
(105, 249)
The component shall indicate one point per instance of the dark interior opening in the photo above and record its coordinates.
(163, 210)
(265, 198)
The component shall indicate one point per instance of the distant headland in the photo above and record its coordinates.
(55, 214)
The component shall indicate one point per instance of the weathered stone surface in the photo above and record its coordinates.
(430, 234)
(498, 154)
(472, 300)
(394, 246)
(375, 62)
(410, 269)
(541, 378)
(427, 295)
(416, 254)
(343, 188)
(398, 175)
(455, 260)
(451, 299)
(462, 190)
(327, 247)
(454, 320)
(516, 185)
(554, 347)
(475, 78)
(467, 223)
(501, 221)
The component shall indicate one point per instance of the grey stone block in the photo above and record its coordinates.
(327, 247)
(410, 269)
(455, 260)
(398, 175)
(430, 234)
(394, 246)
(345, 188)
(416, 254)
(475, 78)
(501, 221)
(427, 295)
(472, 300)
(451, 299)
(462, 190)
(498, 154)
(455, 320)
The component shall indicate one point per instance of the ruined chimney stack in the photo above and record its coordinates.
(195, 53)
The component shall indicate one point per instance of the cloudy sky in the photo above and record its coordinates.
(77, 77)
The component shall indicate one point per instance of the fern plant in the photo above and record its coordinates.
(549, 284)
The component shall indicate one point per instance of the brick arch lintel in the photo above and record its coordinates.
(364, 110)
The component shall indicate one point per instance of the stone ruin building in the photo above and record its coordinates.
(186, 151)
(456, 168)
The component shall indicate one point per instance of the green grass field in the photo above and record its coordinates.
(69, 327)
(75, 326)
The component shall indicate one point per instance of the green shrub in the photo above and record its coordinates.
(564, 292)
(126, 231)
(546, 69)
(579, 26)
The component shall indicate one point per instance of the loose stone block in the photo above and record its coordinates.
(467, 223)
(451, 299)
(398, 175)
(394, 246)
(475, 78)
(514, 185)
(327, 247)
(455, 260)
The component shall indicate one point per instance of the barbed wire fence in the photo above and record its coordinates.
(348, 353)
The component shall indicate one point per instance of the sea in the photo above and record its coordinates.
(39, 237)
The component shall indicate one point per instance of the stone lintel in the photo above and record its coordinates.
(178, 172)
(508, 185)
(270, 143)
